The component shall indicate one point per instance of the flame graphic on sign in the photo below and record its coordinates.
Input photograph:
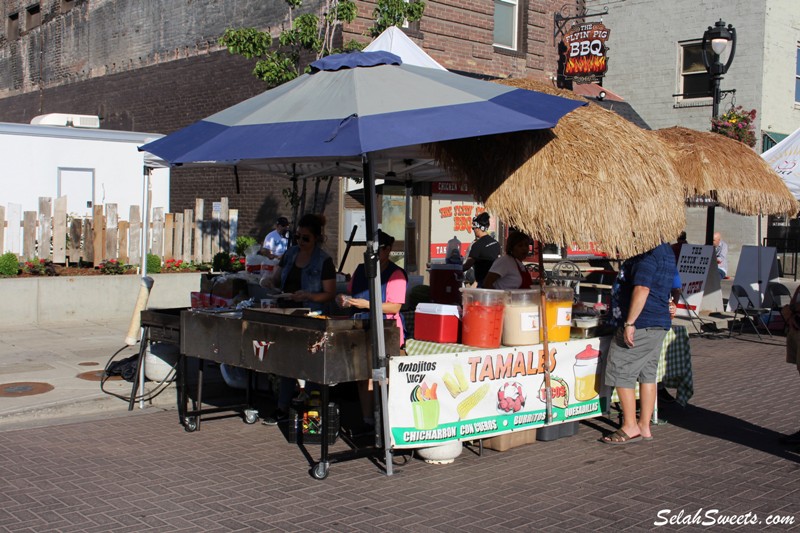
(582, 65)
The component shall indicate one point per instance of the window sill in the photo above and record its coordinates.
(508, 51)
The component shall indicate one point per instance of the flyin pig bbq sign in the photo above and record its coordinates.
(586, 58)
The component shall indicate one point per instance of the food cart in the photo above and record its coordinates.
(323, 350)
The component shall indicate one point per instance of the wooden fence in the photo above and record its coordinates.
(51, 234)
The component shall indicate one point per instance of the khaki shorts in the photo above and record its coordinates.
(627, 365)
(793, 347)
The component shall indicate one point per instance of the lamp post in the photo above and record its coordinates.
(715, 41)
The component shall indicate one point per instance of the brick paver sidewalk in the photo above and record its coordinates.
(144, 473)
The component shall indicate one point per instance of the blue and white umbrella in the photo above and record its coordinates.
(355, 115)
(356, 104)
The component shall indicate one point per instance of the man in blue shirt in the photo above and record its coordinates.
(640, 309)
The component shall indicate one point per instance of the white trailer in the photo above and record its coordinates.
(89, 166)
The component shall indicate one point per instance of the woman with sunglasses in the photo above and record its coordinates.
(393, 295)
(305, 273)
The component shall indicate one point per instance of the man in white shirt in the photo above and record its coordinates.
(277, 241)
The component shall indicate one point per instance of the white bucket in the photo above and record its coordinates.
(159, 361)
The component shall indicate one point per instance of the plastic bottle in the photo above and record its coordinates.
(454, 251)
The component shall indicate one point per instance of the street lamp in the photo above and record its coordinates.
(715, 41)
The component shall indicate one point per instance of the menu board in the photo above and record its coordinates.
(694, 265)
(461, 396)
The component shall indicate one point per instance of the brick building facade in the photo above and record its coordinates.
(155, 66)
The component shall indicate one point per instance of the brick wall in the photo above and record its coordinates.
(459, 35)
(155, 67)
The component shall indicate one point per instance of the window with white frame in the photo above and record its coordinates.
(506, 23)
(694, 78)
(797, 76)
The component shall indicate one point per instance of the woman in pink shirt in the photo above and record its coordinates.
(393, 295)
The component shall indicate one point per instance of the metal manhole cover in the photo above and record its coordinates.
(23, 388)
(97, 375)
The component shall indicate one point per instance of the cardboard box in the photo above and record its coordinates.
(436, 323)
(502, 443)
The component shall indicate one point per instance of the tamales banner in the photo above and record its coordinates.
(469, 395)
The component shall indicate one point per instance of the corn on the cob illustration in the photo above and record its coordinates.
(451, 384)
(468, 403)
(463, 385)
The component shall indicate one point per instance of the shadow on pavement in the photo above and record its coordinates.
(730, 428)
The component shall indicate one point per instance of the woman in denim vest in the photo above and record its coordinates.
(306, 273)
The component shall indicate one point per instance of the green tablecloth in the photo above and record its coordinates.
(416, 347)
(674, 364)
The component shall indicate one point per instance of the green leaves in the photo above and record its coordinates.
(304, 33)
(276, 69)
(311, 35)
(395, 13)
(246, 42)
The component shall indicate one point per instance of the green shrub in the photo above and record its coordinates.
(221, 262)
(113, 267)
(153, 264)
(9, 264)
(34, 266)
(244, 242)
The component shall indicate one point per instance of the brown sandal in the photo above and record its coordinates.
(619, 437)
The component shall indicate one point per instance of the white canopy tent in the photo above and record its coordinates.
(784, 157)
(395, 41)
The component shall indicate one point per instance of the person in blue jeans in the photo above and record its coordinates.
(305, 272)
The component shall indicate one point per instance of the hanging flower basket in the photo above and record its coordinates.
(736, 123)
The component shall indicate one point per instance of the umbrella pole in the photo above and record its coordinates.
(375, 312)
(548, 391)
(295, 203)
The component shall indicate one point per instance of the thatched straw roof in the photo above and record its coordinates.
(594, 177)
(728, 171)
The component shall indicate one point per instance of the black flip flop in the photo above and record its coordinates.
(622, 438)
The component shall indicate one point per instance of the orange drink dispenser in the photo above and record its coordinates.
(559, 313)
(482, 317)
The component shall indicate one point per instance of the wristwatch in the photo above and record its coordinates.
(627, 324)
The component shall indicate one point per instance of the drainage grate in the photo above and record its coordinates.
(23, 388)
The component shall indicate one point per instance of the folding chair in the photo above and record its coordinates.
(779, 296)
(744, 306)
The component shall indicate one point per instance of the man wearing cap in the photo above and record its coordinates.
(484, 250)
(277, 241)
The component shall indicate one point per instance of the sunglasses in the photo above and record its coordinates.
(305, 238)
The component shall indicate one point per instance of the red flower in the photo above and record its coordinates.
(42, 261)
(242, 260)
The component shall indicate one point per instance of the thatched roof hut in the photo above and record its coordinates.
(728, 171)
(594, 177)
